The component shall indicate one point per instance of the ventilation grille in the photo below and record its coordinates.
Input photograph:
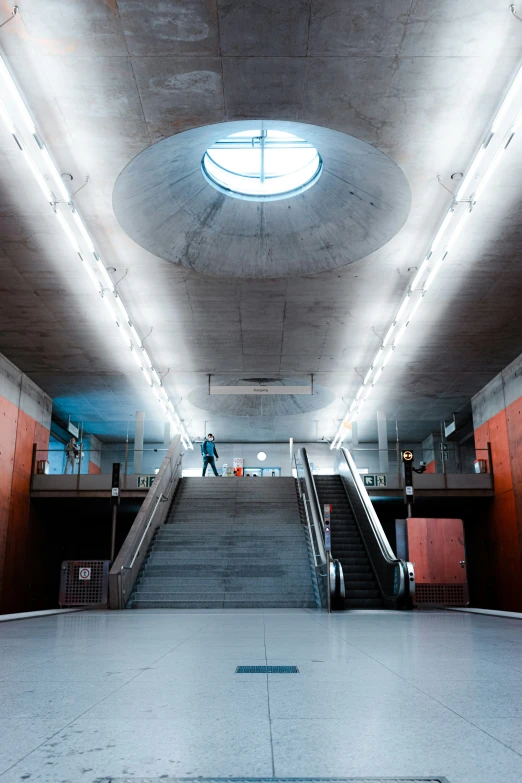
(267, 670)
(92, 590)
(447, 595)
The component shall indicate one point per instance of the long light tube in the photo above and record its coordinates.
(67, 231)
(431, 264)
(21, 111)
(517, 83)
(37, 175)
(15, 94)
(62, 190)
(7, 119)
(83, 231)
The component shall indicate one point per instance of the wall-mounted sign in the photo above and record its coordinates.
(145, 482)
(374, 481)
(261, 390)
(84, 574)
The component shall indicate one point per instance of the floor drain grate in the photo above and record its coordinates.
(267, 670)
(277, 780)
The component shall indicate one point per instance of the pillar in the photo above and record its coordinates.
(138, 442)
(166, 434)
(382, 434)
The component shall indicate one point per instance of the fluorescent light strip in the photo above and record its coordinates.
(7, 119)
(106, 280)
(420, 274)
(442, 230)
(20, 104)
(63, 192)
(463, 190)
(36, 173)
(488, 173)
(517, 83)
(83, 231)
(67, 231)
(90, 272)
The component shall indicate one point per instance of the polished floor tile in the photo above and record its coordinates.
(87, 696)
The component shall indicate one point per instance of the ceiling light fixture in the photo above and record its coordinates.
(481, 169)
(61, 202)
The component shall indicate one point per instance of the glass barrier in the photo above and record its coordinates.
(449, 458)
(77, 460)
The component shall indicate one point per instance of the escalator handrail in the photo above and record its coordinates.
(380, 535)
(312, 499)
(317, 521)
(392, 565)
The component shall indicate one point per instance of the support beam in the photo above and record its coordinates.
(138, 442)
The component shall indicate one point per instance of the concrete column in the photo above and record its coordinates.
(167, 437)
(138, 442)
(382, 434)
(355, 435)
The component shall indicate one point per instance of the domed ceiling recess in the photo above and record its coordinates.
(164, 201)
(250, 405)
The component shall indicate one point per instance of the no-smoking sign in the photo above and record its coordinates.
(84, 574)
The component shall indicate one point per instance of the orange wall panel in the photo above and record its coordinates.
(498, 437)
(95, 469)
(18, 433)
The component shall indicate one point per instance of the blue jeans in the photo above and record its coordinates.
(209, 461)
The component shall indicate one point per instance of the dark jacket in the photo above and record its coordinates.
(208, 449)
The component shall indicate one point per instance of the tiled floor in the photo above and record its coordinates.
(92, 695)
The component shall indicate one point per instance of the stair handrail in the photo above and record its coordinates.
(152, 514)
(391, 572)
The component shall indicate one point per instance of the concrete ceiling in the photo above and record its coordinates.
(418, 79)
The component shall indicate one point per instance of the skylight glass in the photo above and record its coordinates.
(262, 165)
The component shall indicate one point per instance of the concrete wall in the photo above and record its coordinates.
(497, 419)
(25, 419)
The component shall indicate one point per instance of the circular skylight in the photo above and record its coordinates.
(262, 165)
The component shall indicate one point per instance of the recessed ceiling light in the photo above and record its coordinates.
(261, 456)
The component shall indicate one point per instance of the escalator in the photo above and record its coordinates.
(361, 589)
(373, 576)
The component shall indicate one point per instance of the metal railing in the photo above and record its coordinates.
(326, 569)
(396, 578)
(152, 514)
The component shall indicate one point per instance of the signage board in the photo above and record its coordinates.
(145, 482)
(84, 574)
(262, 390)
(377, 480)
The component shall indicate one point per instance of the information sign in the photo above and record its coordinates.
(379, 480)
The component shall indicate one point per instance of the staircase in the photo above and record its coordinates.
(362, 591)
(228, 542)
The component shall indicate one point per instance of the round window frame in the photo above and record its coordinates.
(310, 182)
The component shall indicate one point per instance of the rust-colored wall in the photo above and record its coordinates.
(94, 468)
(497, 542)
(431, 467)
(18, 433)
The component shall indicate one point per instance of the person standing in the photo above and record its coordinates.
(71, 452)
(209, 454)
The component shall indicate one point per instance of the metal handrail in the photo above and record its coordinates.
(334, 570)
(389, 566)
(127, 564)
(317, 523)
(380, 535)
